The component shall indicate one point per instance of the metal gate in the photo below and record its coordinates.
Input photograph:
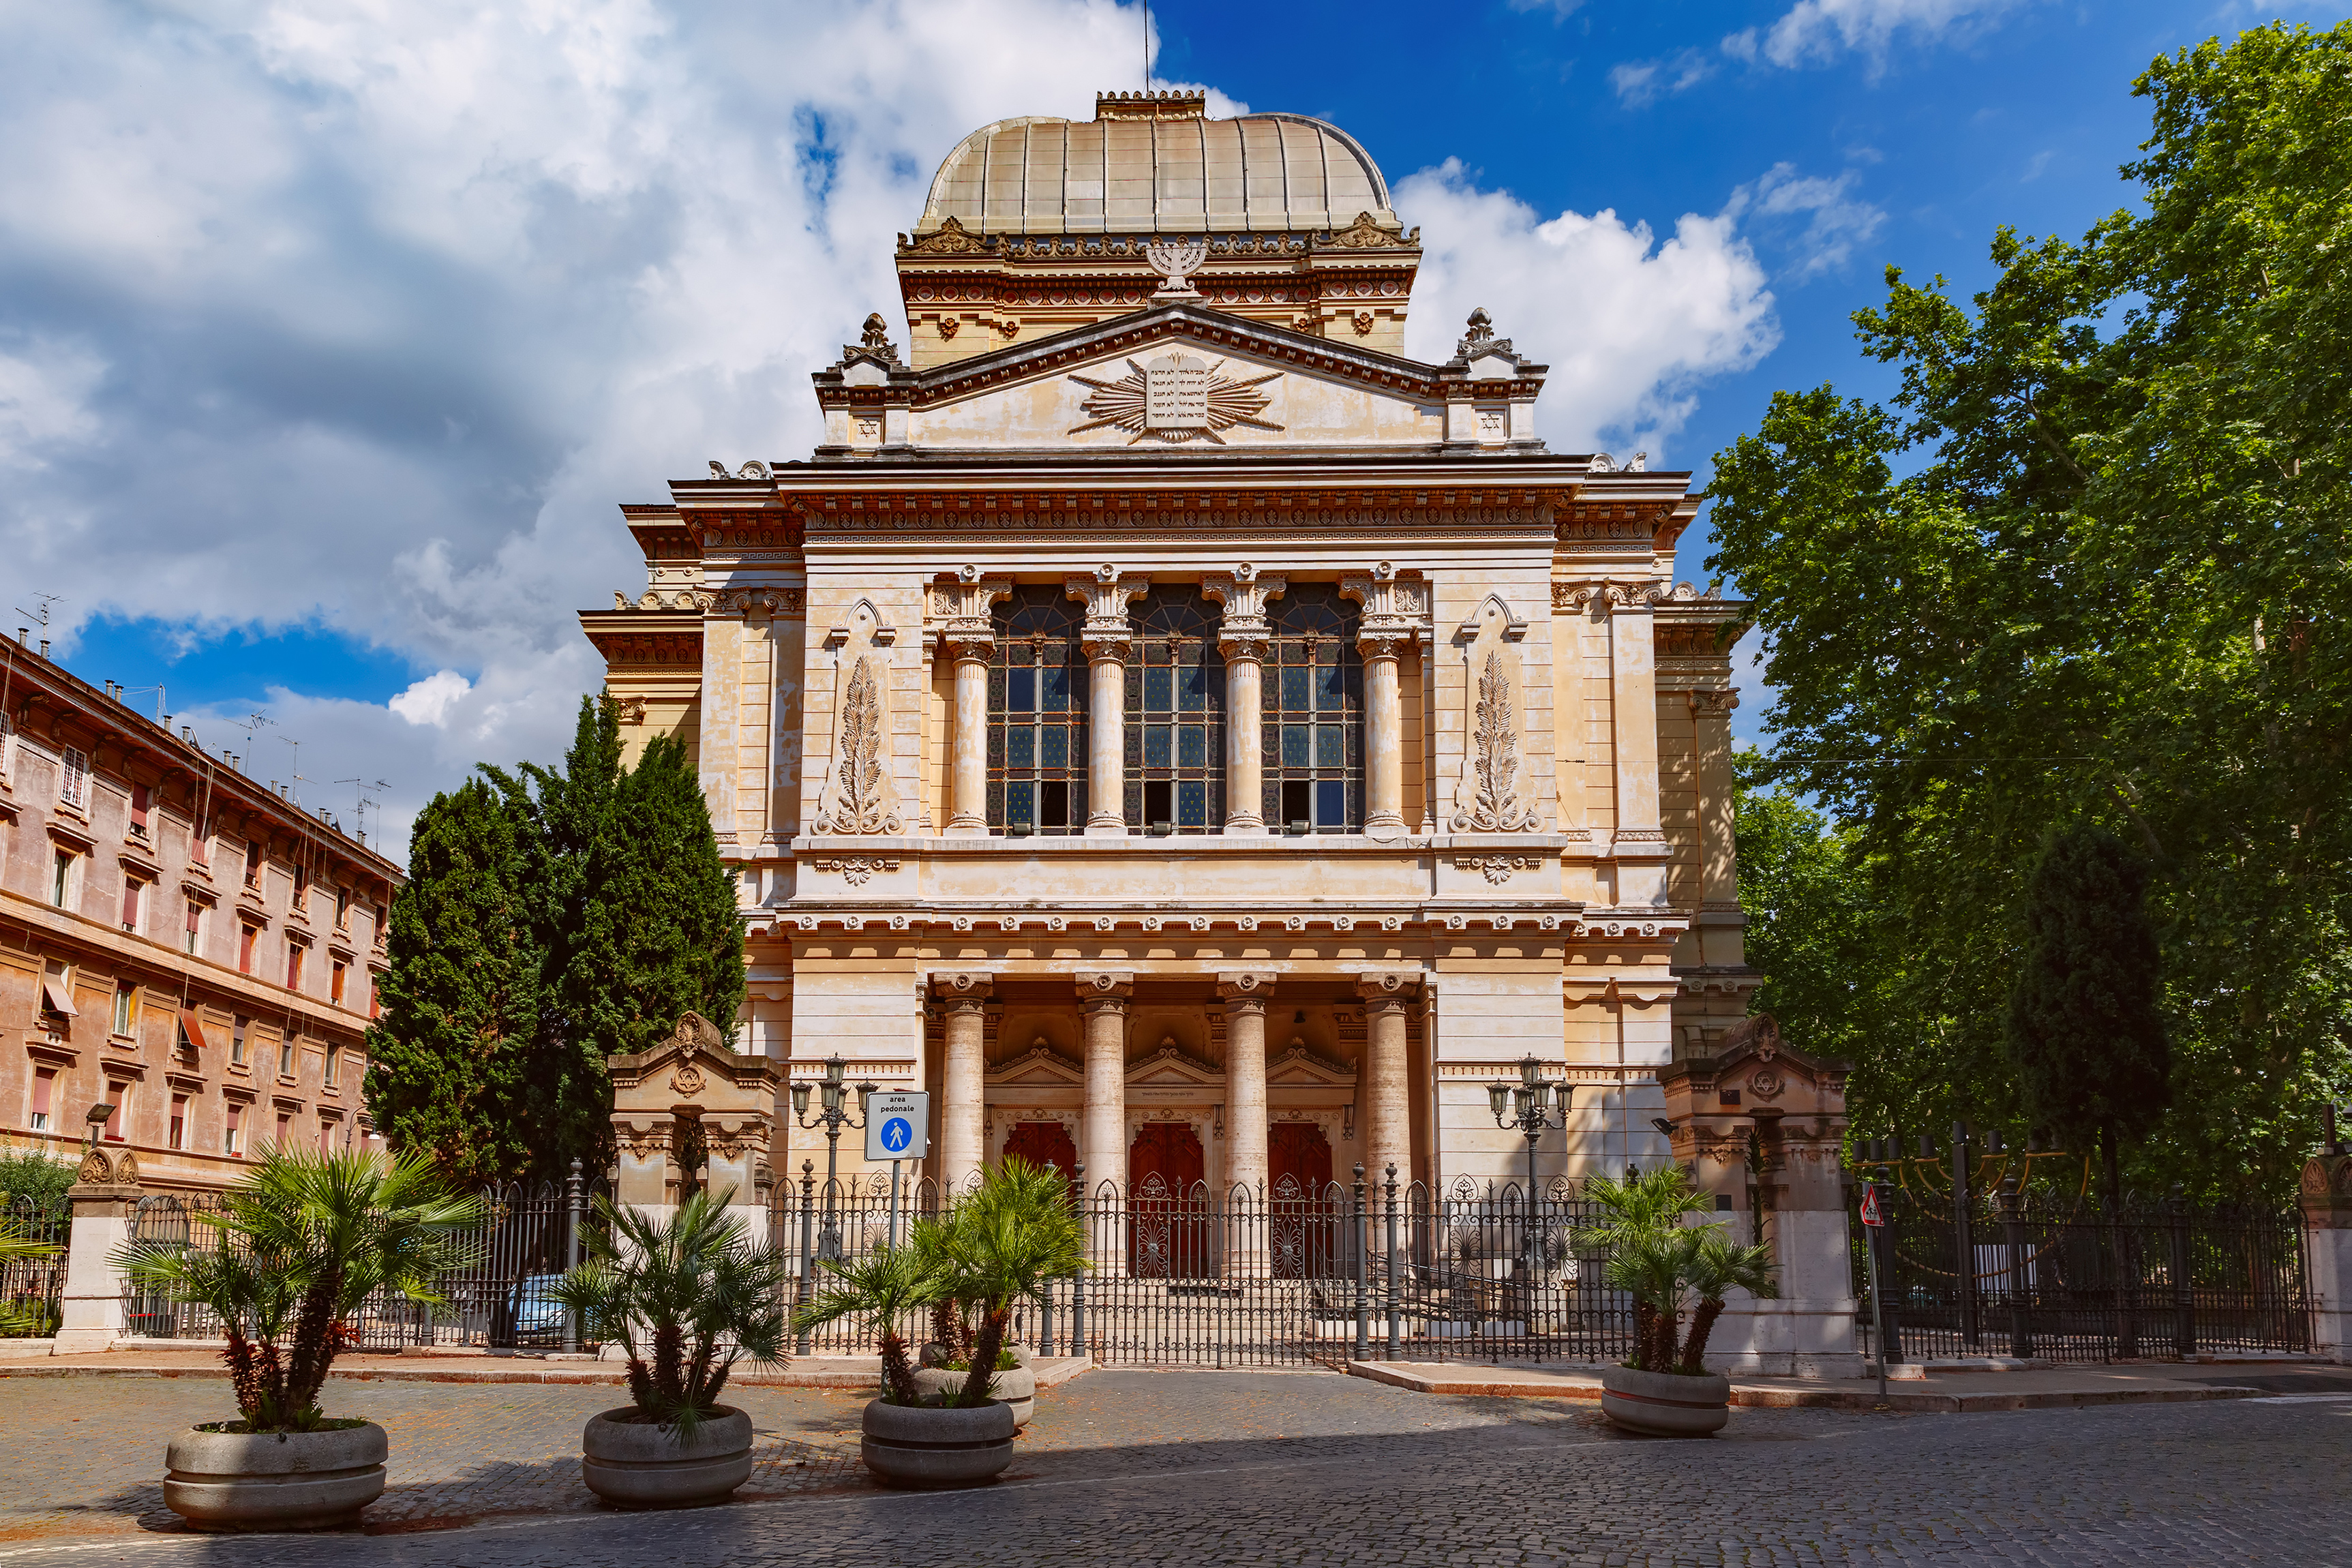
(1195, 1278)
(34, 1286)
(2036, 1265)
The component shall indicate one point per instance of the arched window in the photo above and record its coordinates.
(1038, 715)
(1176, 716)
(1313, 704)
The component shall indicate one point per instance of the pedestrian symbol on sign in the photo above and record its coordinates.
(896, 1133)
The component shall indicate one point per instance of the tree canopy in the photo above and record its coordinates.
(2109, 584)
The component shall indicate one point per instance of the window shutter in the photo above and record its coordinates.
(139, 803)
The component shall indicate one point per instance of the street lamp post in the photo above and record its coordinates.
(1526, 1106)
(833, 1091)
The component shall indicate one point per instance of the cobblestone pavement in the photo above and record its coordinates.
(1183, 1469)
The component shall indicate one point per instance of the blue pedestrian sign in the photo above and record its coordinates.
(897, 1126)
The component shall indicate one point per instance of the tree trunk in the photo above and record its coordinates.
(1644, 1330)
(1702, 1325)
(984, 1352)
(898, 1373)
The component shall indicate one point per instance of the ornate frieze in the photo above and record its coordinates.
(856, 870)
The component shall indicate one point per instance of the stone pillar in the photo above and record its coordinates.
(1640, 844)
(1242, 638)
(1384, 737)
(2327, 1240)
(968, 634)
(963, 1115)
(1106, 638)
(1245, 996)
(90, 1310)
(1102, 1126)
(1382, 1082)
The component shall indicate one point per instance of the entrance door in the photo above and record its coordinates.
(1168, 1219)
(1301, 1223)
(1045, 1144)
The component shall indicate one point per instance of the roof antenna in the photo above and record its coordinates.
(42, 615)
(1147, 55)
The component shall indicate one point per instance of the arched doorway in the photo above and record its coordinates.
(1167, 1207)
(1301, 1229)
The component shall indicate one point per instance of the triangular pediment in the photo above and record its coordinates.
(1178, 377)
(1170, 1066)
(690, 1065)
(1040, 1067)
(1299, 1067)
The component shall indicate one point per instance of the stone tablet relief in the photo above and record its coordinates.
(1176, 398)
(1488, 798)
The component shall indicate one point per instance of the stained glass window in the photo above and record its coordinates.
(1314, 702)
(1175, 730)
(1038, 715)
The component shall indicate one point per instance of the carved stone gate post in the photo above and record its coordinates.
(691, 1113)
(90, 1312)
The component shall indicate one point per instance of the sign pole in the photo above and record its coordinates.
(894, 1205)
(1873, 1222)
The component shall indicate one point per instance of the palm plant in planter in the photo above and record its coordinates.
(882, 1290)
(296, 1247)
(1670, 1268)
(1000, 1246)
(685, 1298)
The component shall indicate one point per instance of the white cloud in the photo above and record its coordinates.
(1563, 7)
(1835, 222)
(365, 315)
(1637, 82)
(1630, 324)
(429, 700)
(1814, 31)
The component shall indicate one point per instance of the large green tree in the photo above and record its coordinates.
(451, 1054)
(2085, 1037)
(2112, 583)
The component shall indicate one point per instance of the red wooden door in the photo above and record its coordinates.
(1167, 1214)
(1044, 1144)
(1301, 1228)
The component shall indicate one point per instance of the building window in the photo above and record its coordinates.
(334, 1060)
(245, 936)
(286, 1059)
(195, 925)
(237, 1039)
(335, 978)
(302, 896)
(253, 863)
(73, 786)
(294, 955)
(1314, 700)
(1038, 715)
(1175, 716)
(57, 995)
(44, 1099)
(133, 891)
(126, 1009)
(200, 846)
(61, 879)
(179, 1121)
(118, 1095)
(7, 742)
(342, 909)
(140, 802)
(285, 1129)
(232, 1131)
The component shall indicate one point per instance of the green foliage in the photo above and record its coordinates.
(1667, 1267)
(2085, 1036)
(1002, 1243)
(33, 1175)
(23, 1319)
(552, 918)
(451, 1057)
(687, 1297)
(2107, 588)
(296, 1248)
(881, 1289)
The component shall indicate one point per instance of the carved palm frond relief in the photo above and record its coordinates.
(861, 801)
(1495, 805)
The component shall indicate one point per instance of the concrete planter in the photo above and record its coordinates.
(1666, 1404)
(1016, 1386)
(924, 1445)
(637, 1464)
(275, 1480)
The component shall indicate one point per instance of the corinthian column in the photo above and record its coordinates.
(1396, 613)
(1242, 638)
(1383, 1083)
(1106, 638)
(963, 1115)
(968, 634)
(1245, 996)
(1102, 1128)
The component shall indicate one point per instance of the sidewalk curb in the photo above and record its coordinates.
(1472, 1382)
(1052, 1372)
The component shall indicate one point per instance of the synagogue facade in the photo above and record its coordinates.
(1179, 731)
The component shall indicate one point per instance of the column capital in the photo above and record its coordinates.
(1243, 990)
(1243, 593)
(1616, 598)
(1383, 643)
(1396, 606)
(1107, 591)
(966, 985)
(1102, 990)
(1101, 646)
(1393, 987)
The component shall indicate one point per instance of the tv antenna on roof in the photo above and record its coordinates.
(361, 800)
(42, 615)
(294, 775)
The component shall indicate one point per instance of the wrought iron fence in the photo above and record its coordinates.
(1291, 1277)
(2050, 1271)
(30, 1288)
(501, 1299)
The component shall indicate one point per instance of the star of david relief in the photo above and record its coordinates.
(1176, 398)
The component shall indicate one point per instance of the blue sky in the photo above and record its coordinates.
(331, 334)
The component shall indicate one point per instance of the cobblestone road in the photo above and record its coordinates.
(1140, 1468)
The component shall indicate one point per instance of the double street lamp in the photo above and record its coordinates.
(1531, 1106)
(832, 1092)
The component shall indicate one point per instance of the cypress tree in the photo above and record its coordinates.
(450, 1055)
(2084, 1034)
